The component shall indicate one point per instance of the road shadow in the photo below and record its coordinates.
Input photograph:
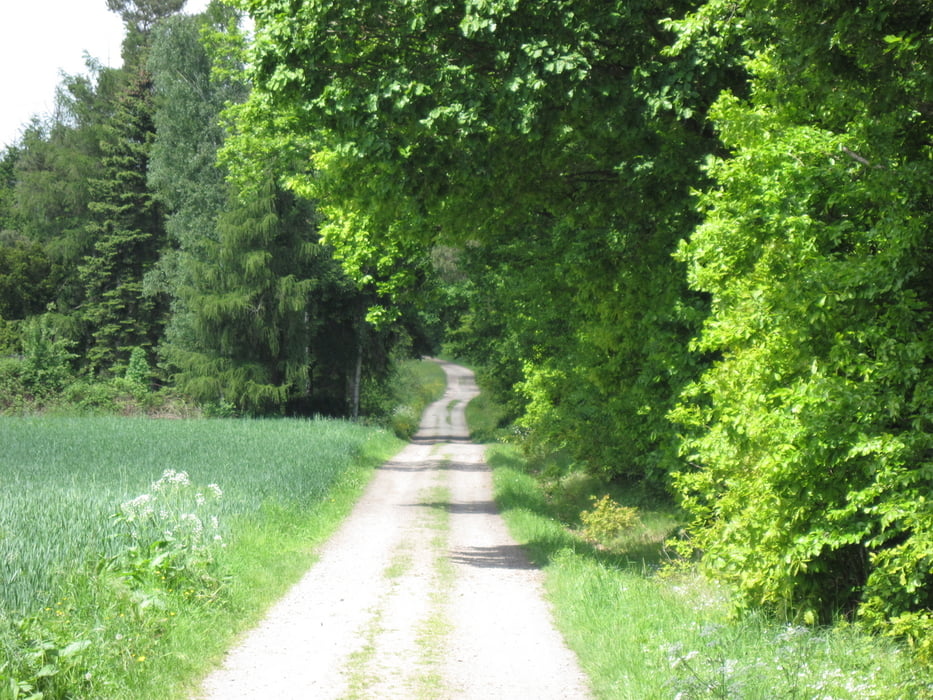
(507, 556)
(441, 440)
(454, 466)
(471, 508)
(412, 467)
(437, 464)
(551, 543)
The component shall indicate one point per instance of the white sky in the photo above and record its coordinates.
(41, 38)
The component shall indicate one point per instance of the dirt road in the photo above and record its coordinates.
(421, 593)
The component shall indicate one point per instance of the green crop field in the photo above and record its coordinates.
(110, 528)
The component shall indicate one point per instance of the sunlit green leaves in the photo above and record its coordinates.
(812, 434)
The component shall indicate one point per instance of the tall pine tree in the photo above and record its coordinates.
(249, 305)
(128, 233)
(127, 226)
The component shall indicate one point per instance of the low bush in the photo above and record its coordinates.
(607, 520)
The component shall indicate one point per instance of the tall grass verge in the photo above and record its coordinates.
(134, 550)
(642, 630)
(415, 385)
(487, 419)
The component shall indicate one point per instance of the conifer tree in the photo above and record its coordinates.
(128, 234)
(249, 303)
(190, 95)
(126, 224)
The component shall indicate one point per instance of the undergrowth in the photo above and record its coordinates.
(647, 626)
(414, 386)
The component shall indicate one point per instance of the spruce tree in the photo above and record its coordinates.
(128, 233)
(248, 300)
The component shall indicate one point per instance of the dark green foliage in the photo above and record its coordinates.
(274, 323)
(262, 319)
(28, 279)
(248, 300)
(59, 170)
(59, 159)
(142, 15)
(8, 213)
(140, 18)
(182, 165)
(128, 235)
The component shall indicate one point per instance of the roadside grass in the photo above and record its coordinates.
(416, 384)
(645, 628)
(485, 418)
(121, 579)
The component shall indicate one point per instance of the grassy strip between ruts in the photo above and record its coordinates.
(643, 631)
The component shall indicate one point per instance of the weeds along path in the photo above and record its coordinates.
(421, 593)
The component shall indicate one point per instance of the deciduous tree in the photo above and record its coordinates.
(811, 462)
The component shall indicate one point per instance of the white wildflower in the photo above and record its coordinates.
(139, 507)
(170, 477)
(685, 659)
(215, 489)
(792, 632)
(194, 523)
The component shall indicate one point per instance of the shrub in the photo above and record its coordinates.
(47, 364)
(607, 520)
(11, 383)
(138, 372)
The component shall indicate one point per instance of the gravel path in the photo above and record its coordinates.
(421, 593)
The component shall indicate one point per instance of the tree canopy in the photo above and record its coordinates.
(696, 239)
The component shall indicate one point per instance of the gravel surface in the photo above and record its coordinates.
(422, 593)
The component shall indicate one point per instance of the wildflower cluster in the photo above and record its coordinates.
(170, 534)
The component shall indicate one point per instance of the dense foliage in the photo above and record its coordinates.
(765, 343)
(811, 446)
(121, 234)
